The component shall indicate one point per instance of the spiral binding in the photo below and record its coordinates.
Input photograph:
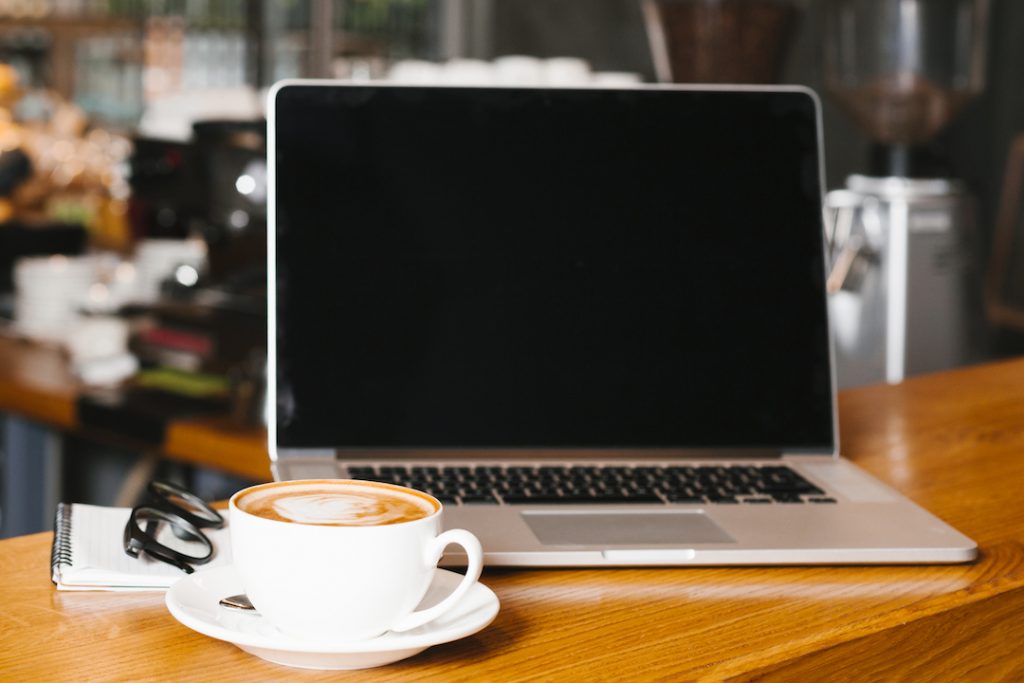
(60, 552)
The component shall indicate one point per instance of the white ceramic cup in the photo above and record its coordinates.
(345, 583)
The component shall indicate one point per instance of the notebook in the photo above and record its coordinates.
(88, 553)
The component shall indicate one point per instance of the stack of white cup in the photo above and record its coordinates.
(158, 259)
(50, 292)
(98, 347)
(512, 70)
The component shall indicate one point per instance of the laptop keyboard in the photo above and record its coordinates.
(494, 484)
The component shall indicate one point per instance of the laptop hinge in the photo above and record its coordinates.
(555, 455)
(325, 453)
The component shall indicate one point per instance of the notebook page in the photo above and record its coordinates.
(99, 559)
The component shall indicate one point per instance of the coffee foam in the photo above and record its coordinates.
(327, 503)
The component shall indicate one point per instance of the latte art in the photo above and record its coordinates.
(337, 504)
(348, 508)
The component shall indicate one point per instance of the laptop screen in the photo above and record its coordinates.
(534, 268)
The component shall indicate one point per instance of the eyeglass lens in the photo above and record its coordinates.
(172, 533)
(188, 502)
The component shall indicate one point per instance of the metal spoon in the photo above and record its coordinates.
(238, 602)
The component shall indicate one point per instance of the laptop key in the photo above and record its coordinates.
(791, 490)
(520, 499)
(821, 500)
(673, 498)
(627, 499)
(479, 498)
(786, 498)
(363, 473)
(744, 471)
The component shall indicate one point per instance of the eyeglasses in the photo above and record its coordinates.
(185, 514)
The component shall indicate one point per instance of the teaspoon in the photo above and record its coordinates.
(238, 602)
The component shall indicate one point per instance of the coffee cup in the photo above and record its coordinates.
(343, 560)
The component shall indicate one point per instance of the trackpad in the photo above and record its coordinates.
(624, 528)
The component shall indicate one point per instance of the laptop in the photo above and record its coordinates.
(592, 322)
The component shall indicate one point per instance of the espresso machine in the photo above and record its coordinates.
(901, 283)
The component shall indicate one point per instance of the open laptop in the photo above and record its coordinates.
(591, 321)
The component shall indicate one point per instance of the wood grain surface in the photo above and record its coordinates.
(953, 442)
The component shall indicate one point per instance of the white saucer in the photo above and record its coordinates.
(194, 601)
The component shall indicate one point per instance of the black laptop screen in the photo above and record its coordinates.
(507, 268)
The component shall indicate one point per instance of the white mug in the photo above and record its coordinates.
(345, 583)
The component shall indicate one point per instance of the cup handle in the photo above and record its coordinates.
(475, 555)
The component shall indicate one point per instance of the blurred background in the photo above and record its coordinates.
(133, 190)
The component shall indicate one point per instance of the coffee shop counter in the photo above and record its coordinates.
(952, 442)
(36, 383)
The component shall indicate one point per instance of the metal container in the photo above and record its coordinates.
(901, 282)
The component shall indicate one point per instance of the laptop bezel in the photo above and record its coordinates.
(513, 454)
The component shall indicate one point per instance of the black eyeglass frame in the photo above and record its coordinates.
(185, 524)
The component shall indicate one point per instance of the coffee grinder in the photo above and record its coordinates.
(720, 41)
(900, 283)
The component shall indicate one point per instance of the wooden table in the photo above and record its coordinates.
(953, 442)
(36, 382)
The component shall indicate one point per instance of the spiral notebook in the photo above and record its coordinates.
(88, 553)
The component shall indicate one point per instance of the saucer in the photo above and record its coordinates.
(194, 601)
